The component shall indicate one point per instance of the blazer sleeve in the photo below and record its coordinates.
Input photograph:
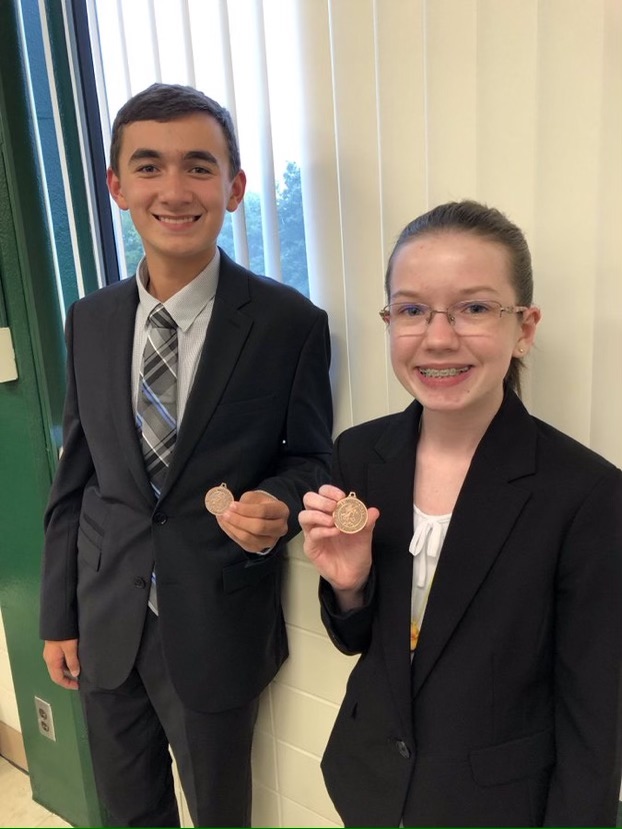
(350, 632)
(584, 788)
(304, 461)
(58, 614)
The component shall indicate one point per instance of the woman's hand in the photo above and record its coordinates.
(343, 559)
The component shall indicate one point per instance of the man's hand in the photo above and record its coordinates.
(62, 661)
(256, 521)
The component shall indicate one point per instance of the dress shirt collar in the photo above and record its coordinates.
(186, 304)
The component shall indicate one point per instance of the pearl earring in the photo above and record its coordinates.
(521, 350)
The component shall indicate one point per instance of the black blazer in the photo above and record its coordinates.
(258, 417)
(511, 713)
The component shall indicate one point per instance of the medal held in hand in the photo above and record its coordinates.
(217, 499)
(350, 515)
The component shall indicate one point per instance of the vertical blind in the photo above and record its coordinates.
(393, 107)
(222, 49)
(518, 103)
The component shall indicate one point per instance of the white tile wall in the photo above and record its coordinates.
(266, 805)
(264, 760)
(293, 814)
(300, 780)
(300, 600)
(303, 720)
(297, 712)
(315, 666)
(8, 703)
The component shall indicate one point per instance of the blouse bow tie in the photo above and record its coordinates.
(427, 534)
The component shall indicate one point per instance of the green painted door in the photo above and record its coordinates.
(30, 412)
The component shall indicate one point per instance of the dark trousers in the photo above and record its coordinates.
(130, 729)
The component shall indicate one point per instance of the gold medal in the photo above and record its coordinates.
(217, 499)
(350, 515)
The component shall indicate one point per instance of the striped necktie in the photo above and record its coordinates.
(156, 409)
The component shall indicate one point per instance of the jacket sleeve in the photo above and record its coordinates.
(58, 615)
(584, 788)
(350, 632)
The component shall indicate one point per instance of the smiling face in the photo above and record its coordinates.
(173, 177)
(444, 371)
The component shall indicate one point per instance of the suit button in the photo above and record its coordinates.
(139, 582)
(402, 748)
(160, 518)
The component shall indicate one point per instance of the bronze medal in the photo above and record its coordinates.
(350, 515)
(414, 635)
(217, 499)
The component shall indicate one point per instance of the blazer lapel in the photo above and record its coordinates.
(488, 505)
(390, 487)
(122, 323)
(227, 333)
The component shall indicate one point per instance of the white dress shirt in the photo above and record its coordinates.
(191, 308)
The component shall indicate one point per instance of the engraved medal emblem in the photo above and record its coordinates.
(217, 499)
(350, 515)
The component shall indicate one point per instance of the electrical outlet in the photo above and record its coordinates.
(45, 720)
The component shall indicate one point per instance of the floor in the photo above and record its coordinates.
(17, 808)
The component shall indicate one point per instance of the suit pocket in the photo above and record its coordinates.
(89, 546)
(514, 760)
(248, 573)
(92, 528)
(246, 407)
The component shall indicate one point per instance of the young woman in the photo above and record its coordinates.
(484, 591)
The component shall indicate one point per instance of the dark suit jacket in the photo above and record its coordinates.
(258, 417)
(512, 716)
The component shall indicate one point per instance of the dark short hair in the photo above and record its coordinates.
(166, 102)
(489, 223)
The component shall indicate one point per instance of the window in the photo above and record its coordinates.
(241, 54)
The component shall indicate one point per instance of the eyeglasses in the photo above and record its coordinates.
(471, 316)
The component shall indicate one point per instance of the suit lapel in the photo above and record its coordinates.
(122, 323)
(390, 488)
(227, 333)
(487, 508)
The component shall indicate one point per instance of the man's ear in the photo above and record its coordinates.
(114, 187)
(237, 188)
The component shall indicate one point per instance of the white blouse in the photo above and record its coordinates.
(429, 533)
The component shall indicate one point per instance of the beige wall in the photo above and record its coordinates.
(298, 711)
(11, 742)
(8, 703)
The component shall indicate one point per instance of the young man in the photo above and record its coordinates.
(193, 374)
